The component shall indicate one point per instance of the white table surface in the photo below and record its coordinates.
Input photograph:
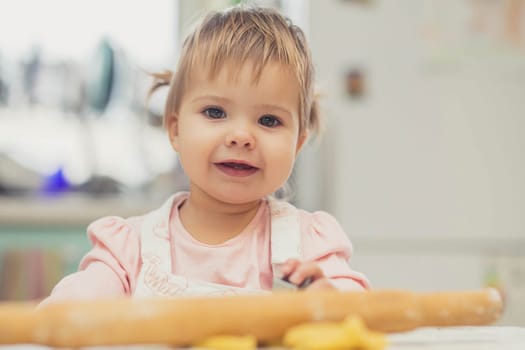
(460, 338)
(450, 338)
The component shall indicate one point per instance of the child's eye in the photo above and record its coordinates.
(214, 113)
(269, 121)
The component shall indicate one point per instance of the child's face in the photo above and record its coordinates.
(237, 139)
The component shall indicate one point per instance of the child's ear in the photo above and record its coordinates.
(301, 141)
(172, 125)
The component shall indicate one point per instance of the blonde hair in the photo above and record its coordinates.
(235, 36)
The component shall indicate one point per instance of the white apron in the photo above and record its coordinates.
(156, 278)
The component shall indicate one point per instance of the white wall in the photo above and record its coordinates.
(427, 172)
(437, 146)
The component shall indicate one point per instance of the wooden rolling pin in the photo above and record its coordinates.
(184, 321)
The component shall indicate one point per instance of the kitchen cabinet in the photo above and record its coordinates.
(43, 239)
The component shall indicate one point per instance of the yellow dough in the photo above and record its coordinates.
(225, 342)
(349, 334)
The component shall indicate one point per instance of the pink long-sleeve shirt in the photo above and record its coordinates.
(112, 266)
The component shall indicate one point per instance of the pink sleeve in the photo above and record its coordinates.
(110, 269)
(324, 241)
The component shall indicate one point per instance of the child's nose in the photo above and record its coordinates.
(240, 137)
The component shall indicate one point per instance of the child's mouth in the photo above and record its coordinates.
(236, 169)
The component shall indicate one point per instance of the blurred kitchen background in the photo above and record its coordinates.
(422, 162)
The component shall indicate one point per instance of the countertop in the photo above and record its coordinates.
(71, 210)
(451, 338)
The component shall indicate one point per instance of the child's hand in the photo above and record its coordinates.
(298, 272)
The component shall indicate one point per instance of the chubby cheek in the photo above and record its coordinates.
(194, 156)
(194, 150)
(195, 135)
(281, 159)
